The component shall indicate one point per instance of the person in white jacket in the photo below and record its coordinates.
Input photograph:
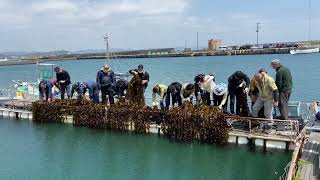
(207, 85)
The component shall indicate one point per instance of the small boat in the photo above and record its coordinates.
(4, 59)
(304, 51)
(309, 49)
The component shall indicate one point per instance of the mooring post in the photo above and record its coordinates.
(250, 126)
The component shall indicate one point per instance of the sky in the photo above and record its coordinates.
(48, 25)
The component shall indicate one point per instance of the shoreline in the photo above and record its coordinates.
(35, 60)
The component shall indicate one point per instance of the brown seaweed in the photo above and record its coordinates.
(136, 91)
(185, 123)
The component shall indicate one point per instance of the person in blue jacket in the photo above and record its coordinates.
(106, 81)
(81, 89)
(45, 90)
(93, 90)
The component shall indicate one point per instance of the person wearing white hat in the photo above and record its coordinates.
(220, 96)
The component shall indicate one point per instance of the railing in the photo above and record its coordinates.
(288, 129)
(292, 167)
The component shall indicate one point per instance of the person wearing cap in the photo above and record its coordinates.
(144, 75)
(161, 90)
(187, 92)
(45, 90)
(284, 84)
(105, 82)
(238, 84)
(63, 79)
(220, 96)
(206, 84)
(173, 92)
(267, 97)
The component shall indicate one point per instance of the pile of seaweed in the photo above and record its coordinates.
(136, 91)
(185, 124)
(203, 123)
(244, 108)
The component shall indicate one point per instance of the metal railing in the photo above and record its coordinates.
(265, 127)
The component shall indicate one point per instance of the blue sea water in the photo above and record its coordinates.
(55, 151)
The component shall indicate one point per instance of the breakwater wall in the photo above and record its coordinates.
(34, 60)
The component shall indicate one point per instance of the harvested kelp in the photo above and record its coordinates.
(136, 91)
(244, 108)
(185, 123)
(47, 112)
(203, 123)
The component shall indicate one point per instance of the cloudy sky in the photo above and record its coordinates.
(43, 25)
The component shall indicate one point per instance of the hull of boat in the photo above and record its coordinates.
(304, 51)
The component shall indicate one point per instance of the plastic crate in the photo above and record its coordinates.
(293, 109)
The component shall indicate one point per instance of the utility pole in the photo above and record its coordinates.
(106, 39)
(185, 46)
(257, 31)
(309, 28)
(197, 40)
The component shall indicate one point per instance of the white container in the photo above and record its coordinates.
(12, 114)
(259, 142)
(243, 140)
(24, 115)
(5, 113)
(232, 139)
(276, 144)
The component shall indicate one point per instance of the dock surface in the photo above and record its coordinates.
(310, 155)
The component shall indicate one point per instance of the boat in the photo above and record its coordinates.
(304, 51)
(308, 50)
(4, 59)
(29, 90)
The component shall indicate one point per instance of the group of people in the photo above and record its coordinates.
(264, 91)
(105, 84)
(202, 89)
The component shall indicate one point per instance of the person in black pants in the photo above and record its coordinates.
(106, 82)
(121, 88)
(144, 75)
(173, 91)
(220, 96)
(237, 82)
(63, 80)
